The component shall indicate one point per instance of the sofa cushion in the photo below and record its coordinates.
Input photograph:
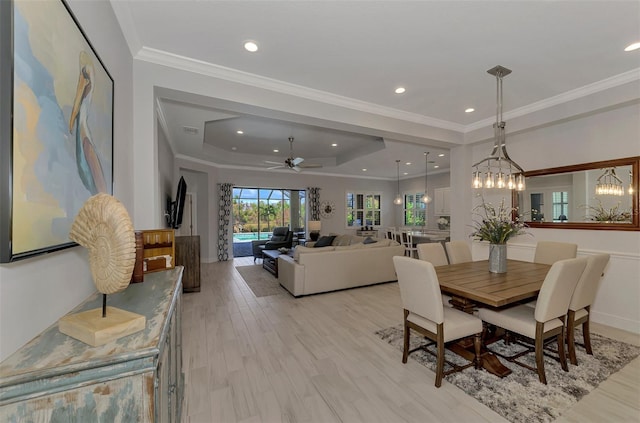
(369, 240)
(341, 240)
(324, 241)
(300, 249)
(356, 239)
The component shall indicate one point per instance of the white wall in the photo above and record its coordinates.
(167, 182)
(34, 293)
(609, 135)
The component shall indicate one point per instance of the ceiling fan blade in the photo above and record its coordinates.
(276, 167)
(296, 168)
(274, 163)
(297, 161)
(310, 165)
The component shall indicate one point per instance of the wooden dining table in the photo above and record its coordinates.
(471, 285)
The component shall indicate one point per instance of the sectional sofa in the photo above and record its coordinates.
(349, 262)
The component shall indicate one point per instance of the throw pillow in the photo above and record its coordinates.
(324, 241)
(369, 240)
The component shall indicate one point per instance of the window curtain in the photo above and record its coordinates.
(314, 203)
(224, 219)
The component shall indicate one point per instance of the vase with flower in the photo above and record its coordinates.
(497, 225)
(443, 223)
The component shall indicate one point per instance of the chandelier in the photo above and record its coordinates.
(425, 198)
(398, 200)
(609, 184)
(498, 170)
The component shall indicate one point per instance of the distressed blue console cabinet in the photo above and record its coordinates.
(137, 378)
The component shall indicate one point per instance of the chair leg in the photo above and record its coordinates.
(440, 358)
(477, 344)
(571, 341)
(586, 334)
(539, 344)
(405, 353)
(561, 354)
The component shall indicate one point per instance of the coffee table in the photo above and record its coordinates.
(270, 260)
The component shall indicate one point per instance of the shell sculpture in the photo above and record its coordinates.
(104, 227)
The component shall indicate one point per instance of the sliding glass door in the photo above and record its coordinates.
(256, 211)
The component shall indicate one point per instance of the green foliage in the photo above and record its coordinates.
(496, 225)
(601, 214)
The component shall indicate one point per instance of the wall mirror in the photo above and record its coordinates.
(599, 195)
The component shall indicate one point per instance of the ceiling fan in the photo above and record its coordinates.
(294, 163)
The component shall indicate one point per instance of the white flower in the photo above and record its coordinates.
(442, 221)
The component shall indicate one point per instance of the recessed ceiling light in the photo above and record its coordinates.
(364, 169)
(632, 47)
(334, 145)
(400, 90)
(436, 167)
(405, 173)
(408, 163)
(276, 151)
(251, 46)
(234, 148)
(239, 132)
(441, 155)
(469, 110)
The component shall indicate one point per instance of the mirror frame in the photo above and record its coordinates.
(634, 162)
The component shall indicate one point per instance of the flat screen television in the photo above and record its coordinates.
(175, 209)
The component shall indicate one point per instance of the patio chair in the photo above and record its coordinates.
(281, 237)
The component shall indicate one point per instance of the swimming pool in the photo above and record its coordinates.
(250, 236)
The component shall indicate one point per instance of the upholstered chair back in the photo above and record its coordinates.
(433, 252)
(280, 234)
(548, 252)
(587, 286)
(557, 289)
(419, 288)
(458, 252)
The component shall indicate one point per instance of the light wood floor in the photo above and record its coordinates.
(316, 359)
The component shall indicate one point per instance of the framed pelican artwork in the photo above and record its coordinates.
(56, 126)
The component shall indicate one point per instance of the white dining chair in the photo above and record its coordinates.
(580, 304)
(548, 252)
(434, 253)
(409, 247)
(547, 319)
(425, 314)
(458, 252)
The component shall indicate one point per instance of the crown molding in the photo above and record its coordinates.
(163, 125)
(187, 64)
(123, 15)
(254, 169)
(596, 87)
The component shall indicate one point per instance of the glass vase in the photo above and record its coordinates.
(498, 258)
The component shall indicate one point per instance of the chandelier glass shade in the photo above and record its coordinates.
(609, 184)
(425, 198)
(498, 170)
(398, 200)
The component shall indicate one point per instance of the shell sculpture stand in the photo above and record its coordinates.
(104, 227)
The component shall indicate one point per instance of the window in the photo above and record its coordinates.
(256, 211)
(560, 206)
(414, 210)
(363, 209)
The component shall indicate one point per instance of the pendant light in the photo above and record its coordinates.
(498, 170)
(398, 199)
(609, 184)
(425, 198)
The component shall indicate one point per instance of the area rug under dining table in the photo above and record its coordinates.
(520, 397)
